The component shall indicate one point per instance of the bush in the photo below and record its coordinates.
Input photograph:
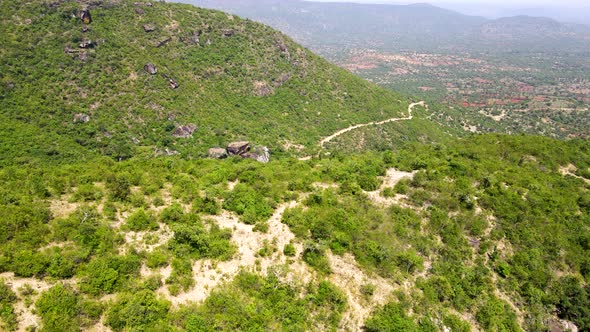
(206, 205)
(289, 250)
(139, 311)
(251, 206)
(108, 274)
(87, 193)
(315, 256)
(7, 315)
(61, 310)
(141, 220)
(391, 317)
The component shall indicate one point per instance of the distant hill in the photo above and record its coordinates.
(145, 79)
(405, 27)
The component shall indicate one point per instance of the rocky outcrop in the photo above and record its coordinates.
(241, 149)
(81, 118)
(184, 131)
(143, 4)
(217, 153)
(150, 68)
(238, 148)
(228, 32)
(260, 153)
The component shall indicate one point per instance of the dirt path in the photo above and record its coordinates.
(345, 130)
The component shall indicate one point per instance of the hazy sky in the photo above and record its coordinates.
(512, 3)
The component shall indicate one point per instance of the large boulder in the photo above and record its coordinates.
(238, 148)
(184, 131)
(217, 153)
(259, 153)
(150, 68)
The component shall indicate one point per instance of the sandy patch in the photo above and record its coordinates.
(25, 315)
(570, 170)
(391, 178)
(350, 278)
(209, 274)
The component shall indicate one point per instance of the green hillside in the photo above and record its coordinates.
(236, 80)
(398, 225)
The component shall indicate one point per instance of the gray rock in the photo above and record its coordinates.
(260, 153)
(184, 131)
(217, 153)
(81, 118)
(150, 68)
(86, 44)
(139, 11)
(228, 32)
(148, 28)
(238, 148)
(172, 83)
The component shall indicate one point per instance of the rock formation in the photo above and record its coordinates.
(242, 149)
(172, 83)
(148, 28)
(184, 131)
(217, 153)
(150, 68)
(238, 148)
(81, 118)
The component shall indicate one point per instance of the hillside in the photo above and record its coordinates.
(488, 233)
(518, 74)
(375, 213)
(84, 89)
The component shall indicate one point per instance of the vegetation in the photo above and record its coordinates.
(237, 80)
(491, 228)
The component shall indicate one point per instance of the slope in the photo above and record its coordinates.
(223, 77)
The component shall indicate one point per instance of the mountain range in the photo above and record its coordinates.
(413, 27)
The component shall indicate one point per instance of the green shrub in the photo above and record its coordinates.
(251, 206)
(86, 193)
(315, 256)
(289, 250)
(391, 317)
(141, 220)
(8, 318)
(206, 205)
(139, 311)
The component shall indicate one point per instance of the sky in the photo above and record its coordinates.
(574, 11)
(578, 3)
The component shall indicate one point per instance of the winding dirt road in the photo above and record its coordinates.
(345, 130)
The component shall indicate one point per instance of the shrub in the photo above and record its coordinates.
(289, 250)
(141, 220)
(7, 315)
(139, 311)
(391, 317)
